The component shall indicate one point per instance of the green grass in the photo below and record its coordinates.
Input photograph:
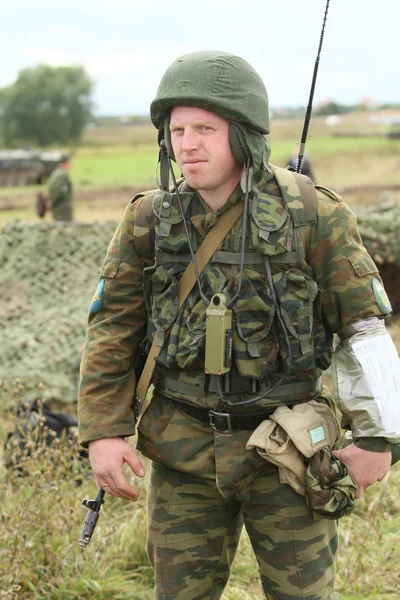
(41, 521)
(126, 155)
(110, 168)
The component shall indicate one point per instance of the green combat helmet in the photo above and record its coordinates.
(226, 85)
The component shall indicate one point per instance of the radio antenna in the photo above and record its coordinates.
(310, 99)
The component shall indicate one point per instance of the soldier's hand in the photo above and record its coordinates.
(107, 457)
(364, 466)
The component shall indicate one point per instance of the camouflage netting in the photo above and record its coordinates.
(379, 227)
(48, 274)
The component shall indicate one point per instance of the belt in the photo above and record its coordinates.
(222, 422)
(283, 393)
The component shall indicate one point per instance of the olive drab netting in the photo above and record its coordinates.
(48, 274)
(379, 227)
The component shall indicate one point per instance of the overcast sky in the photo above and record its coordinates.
(126, 45)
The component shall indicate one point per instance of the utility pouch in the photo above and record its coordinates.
(292, 435)
(299, 442)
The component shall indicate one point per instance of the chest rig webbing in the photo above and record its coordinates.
(296, 191)
(281, 213)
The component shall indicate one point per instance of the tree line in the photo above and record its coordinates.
(46, 105)
(52, 105)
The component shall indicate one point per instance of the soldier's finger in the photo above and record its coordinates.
(120, 487)
(132, 459)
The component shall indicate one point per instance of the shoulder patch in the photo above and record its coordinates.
(97, 300)
(381, 297)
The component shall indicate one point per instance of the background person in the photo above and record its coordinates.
(60, 191)
(306, 166)
(211, 111)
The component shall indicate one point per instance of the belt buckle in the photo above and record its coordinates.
(211, 419)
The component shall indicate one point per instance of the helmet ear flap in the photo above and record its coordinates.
(238, 144)
(164, 133)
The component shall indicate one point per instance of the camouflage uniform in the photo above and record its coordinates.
(204, 484)
(60, 195)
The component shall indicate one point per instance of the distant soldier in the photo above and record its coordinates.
(306, 167)
(60, 191)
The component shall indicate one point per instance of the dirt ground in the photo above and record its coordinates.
(16, 199)
(89, 204)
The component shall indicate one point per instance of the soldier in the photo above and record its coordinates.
(60, 191)
(251, 331)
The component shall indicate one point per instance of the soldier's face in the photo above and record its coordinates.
(200, 140)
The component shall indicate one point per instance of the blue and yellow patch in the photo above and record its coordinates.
(381, 297)
(97, 300)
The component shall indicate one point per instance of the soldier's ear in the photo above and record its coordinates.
(164, 133)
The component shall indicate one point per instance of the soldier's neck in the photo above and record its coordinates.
(217, 197)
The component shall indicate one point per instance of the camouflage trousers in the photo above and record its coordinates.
(62, 212)
(204, 485)
(193, 533)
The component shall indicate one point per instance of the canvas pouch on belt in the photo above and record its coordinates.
(292, 434)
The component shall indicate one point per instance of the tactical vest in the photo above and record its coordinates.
(280, 215)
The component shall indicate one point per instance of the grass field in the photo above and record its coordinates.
(42, 518)
(41, 515)
(112, 164)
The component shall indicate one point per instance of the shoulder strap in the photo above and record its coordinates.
(143, 229)
(186, 283)
(299, 195)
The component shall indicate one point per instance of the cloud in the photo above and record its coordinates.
(126, 46)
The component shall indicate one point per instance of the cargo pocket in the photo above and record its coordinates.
(270, 217)
(296, 293)
(164, 304)
(110, 267)
(362, 264)
(255, 349)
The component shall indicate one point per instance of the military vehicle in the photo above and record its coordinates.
(27, 167)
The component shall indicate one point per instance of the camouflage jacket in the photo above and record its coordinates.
(323, 288)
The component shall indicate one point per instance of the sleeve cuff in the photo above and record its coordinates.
(373, 444)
